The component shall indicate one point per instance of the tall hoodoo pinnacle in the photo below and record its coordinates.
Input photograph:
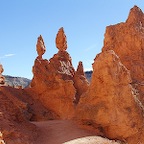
(61, 40)
(40, 47)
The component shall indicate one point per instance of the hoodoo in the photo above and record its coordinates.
(2, 79)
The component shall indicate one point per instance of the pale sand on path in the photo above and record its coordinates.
(66, 132)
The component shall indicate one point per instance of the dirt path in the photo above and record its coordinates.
(66, 132)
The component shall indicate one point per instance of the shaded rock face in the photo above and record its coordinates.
(111, 102)
(55, 80)
(14, 126)
(17, 108)
(2, 79)
(127, 40)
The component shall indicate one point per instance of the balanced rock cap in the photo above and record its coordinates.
(40, 47)
(61, 40)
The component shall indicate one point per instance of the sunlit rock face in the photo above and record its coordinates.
(127, 40)
(40, 47)
(2, 79)
(110, 102)
(54, 80)
(61, 40)
(115, 98)
(80, 82)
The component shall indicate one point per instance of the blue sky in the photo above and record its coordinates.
(84, 22)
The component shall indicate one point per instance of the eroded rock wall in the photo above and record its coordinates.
(127, 40)
(111, 103)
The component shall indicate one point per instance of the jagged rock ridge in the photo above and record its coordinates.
(115, 98)
(111, 103)
(127, 40)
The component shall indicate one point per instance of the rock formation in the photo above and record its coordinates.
(52, 80)
(55, 81)
(80, 82)
(16, 81)
(14, 126)
(80, 69)
(1, 139)
(127, 40)
(61, 42)
(110, 102)
(113, 103)
(40, 47)
(2, 79)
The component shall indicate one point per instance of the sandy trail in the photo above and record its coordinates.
(66, 132)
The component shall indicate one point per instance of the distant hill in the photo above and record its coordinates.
(16, 81)
(88, 75)
(24, 82)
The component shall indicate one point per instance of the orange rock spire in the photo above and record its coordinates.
(40, 47)
(80, 69)
(61, 40)
(2, 79)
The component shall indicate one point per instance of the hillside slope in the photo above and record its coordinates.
(16, 81)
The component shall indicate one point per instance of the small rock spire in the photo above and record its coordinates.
(40, 47)
(61, 40)
(80, 69)
(2, 79)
